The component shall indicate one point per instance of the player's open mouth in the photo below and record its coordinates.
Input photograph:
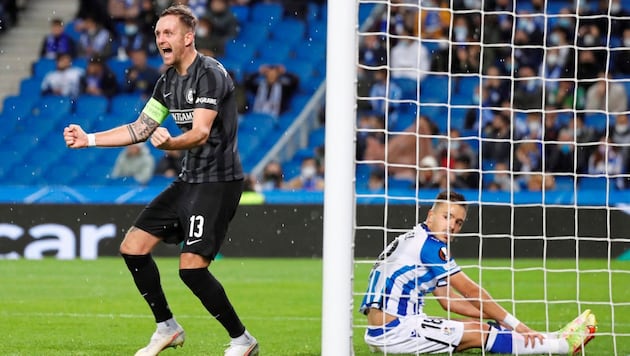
(167, 50)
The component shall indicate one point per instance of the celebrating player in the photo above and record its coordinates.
(196, 209)
(417, 263)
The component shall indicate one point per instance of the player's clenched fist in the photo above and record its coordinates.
(160, 138)
(75, 137)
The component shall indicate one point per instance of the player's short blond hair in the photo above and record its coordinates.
(184, 14)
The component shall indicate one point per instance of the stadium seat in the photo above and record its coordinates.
(91, 105)
(119, 68)
(52, 107)
(598, 121)
(61, 173)
(269, 13)
(310, 51)
(274, 52)
(127, 105)
(303, 69)
(239, 50)
(317, 137)
(434, 89)
(317, 31)
(248, 141)
(17, 106)
(260, 124)
(43, 66)
(290, 31)
(31, 87)
(241, 12)
(594, 183)
(253, 33)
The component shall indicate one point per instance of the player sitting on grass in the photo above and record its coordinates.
(417, 263)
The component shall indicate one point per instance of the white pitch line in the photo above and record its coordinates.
(146, 316)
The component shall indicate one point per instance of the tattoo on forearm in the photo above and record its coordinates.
(134, 138)
(142, 128)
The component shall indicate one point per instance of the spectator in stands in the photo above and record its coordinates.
(540, 181)
(559, 156)
(498, 149)
(528, 90)
(385, 95)
(147, 18)
(435, 21)
(448, 150)
(370, 124)
(553, 69)
(10, 12)
(372, 51)
(404, 151)
(622, 55)
(57, 41)
(170, 165)
(409, 59)
(65, 80)
(496, 88)
(550, 123)
(309, 179)
(273, 88)
(95, 40)
(565, 53)
(466, 59)
(527, 157)
(272, 177)
(607, 95)
(528, 51)
(620, 134)
(96, 9)
(531, 128)
(132, 39)
(429, 173)
(566, 95)
(135, 161)
(584, 136)
(123, 10)
(589, 66)
(223, 20)
(140, 77)
(606, 159)
(376, 181)
(99, 79)
(463, 176)
(503, 179)
(207, 41)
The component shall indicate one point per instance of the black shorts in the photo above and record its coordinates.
(194, 214)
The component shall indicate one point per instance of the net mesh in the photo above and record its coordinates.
(521, 106)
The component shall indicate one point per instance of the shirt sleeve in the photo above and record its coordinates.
(210, 89)
(437, 259)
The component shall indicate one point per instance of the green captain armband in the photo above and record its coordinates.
(155, 110)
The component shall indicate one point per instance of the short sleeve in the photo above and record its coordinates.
(435, 256)
(210, 89)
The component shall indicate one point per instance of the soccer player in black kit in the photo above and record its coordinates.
(196, 208)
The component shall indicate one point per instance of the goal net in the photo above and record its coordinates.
(521, 106)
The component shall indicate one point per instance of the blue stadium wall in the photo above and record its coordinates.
(70, 231)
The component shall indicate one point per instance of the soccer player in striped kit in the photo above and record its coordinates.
(196, 208)
(417, 263)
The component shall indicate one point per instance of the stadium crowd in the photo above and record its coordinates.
(552, 105)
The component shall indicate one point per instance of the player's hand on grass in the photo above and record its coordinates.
(160, 138)
(75, 137)
(530, 335)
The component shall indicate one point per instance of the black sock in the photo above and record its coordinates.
(147, 277)
(212, 295)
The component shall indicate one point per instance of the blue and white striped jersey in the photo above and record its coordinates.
(409, 268)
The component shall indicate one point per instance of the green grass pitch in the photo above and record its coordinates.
(53, 307)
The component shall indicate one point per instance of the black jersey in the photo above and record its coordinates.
(206, 85)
